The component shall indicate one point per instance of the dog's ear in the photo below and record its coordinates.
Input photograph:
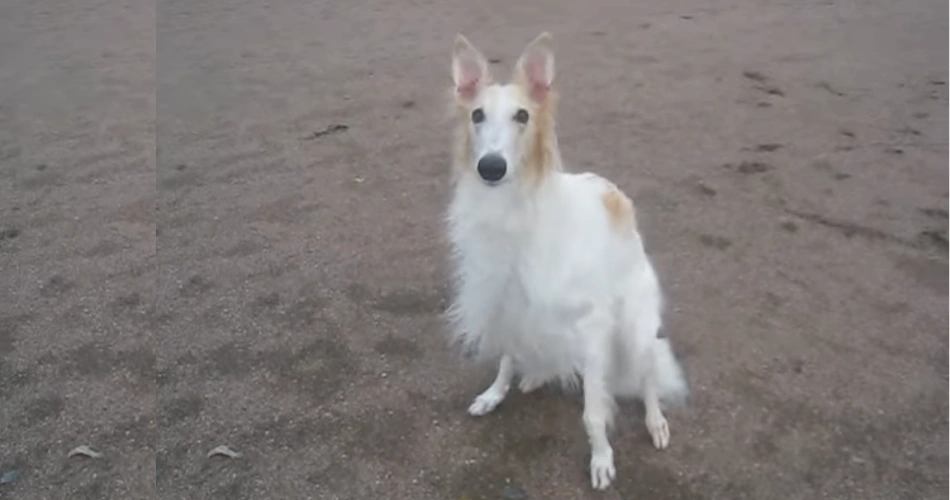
(535, 68)
(469, 69)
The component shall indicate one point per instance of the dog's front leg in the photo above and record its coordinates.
(598, 402)
(488, 400)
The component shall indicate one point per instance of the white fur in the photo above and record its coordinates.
(551, 290)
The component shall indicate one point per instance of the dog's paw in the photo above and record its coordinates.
(659, 430)
(602, 470)
(527, 385)
(485, 403)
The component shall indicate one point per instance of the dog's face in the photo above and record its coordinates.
(507, 128)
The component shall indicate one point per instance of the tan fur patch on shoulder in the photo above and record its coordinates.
(619, 209)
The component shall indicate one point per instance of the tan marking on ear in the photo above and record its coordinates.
(462, 141)
(619, 209)
(543, 154)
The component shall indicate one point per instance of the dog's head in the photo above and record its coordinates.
(505, 132)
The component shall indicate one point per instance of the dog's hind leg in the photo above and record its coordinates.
(488, 400)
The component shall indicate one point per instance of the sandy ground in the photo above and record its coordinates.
(279, 286)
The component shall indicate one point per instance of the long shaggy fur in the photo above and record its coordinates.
(551, 278)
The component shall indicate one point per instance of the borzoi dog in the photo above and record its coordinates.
(552, 281)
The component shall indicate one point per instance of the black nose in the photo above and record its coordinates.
(492, 167)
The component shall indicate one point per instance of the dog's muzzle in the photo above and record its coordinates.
(492, 167)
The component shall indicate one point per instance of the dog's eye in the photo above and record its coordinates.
(521, 116)
(478, 116)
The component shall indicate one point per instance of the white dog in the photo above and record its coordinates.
(552, 280)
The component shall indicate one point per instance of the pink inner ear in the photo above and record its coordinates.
(468, 90)
(538, 92)
(537, 77)
(470, 74)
